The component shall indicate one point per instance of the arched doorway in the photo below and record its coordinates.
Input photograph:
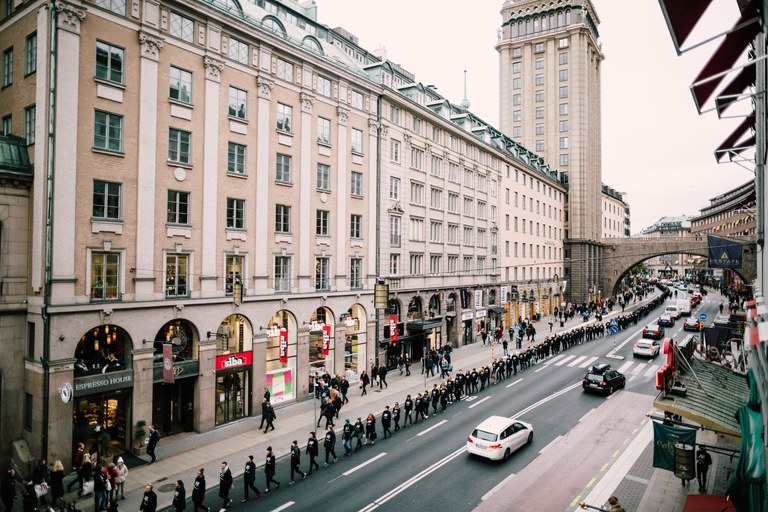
(234, 369)
(321, 350)
(355, 341)
(415, 308)
(282, 341)
(450, 320)
(102, 389)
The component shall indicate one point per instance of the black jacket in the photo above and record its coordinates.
(269, 465)
(198, 491)
(330, 440)
(249, 475)
(225, 482)
(148, 502)
(180, 498)
(312, 447)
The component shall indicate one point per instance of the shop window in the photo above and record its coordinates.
(105, 279)
(233, 273)
(234, 336)
(281, 374)
(101, 350)
(180, 335)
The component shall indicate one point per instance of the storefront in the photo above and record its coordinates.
(100, 414)
(355, 342)
(173, 404)
(468, 329)
(282, 341)
(321, 346)
(233, 386)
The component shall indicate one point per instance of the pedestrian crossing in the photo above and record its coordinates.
(632, 369)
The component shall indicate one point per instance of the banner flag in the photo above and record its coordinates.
(393, 328)
(326, 339)
(723, 253)
(168, 363)
(283, 348)
(665, 437)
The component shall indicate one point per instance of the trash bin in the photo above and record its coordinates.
(685, 461)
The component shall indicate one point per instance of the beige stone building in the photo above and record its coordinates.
(616, 220)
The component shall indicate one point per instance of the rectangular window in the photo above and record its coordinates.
(517, 132)
(563, 42)
(539, 63)
(322, 223)
(564, 160)
(394, 114)
(436, 134)
(417, 230)
(324, 86)
(417, 193)
(394, 264)
(517, 52)
(539, 96)
(564, 125)
(468, 206)
(468, 232)
(236, 159)
(357, 141)
(7, 125)
(181, 27)
(282, 218)
(394, 151)
(417, 157)
(235, 213)
(539, 78)
(539, 112)
(234, 269)
(7, 66)
(356, 226)
(356, 273)
(563, 142)
(539, 128)
(453, 264)
(178, 208)
(467, 264)
(517, 99)
(322, 271)
(238, 51)
(417, 260)
(282, 273)
(453, 234)
(323, 130)
(435, 264)
(563, 58)
(356, 99)
(30, 54)
(563, 109)
(563, 75)
(108, 131)
(563, 92)
(394, 231)
(517, 66)
(356, 183)
(453, 172)
(176, 274)
(238, 103)
(284, 70)
(517, 116)
(29, 401)
(416, 124)
(394, 188)
(180, 85)
(436, 168)
(539, 145)
(106, 200)
(283, 169)
(284, 114)
(453, 203)
(109, 62)
(436, 198)
(30, 114)
(116, 6)
(179, 146)
(435, 231)
(538, 48)
(323, 177)
(105, 274)
(517, 83)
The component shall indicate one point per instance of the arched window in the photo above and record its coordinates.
(273, 24)
(313, 44)
(102, 349)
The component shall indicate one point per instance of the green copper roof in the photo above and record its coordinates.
(14, 157)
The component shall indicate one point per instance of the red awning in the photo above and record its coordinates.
(708, 503)
(681, 16)
(729, 144)
(731, 92)
(733, 46)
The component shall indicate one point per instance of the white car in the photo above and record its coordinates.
(498, 437)
(646, 348)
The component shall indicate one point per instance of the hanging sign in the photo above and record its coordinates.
(326, 339)
(393, 328)
(283, 345)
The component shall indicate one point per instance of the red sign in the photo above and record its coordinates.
(234, 360)
(283, 349)
(393, 328)
(168, 363)
(326, 339)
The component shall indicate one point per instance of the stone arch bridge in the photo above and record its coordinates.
(621, 254)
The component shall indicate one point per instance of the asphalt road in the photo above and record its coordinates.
(427, 466)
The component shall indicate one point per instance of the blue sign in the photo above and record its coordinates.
(614, 329)
(614, 323)
(517, 327)
(703, 317)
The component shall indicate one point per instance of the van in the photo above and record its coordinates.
(672, 310)
(685, 307)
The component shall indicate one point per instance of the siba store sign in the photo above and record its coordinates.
(228, 361)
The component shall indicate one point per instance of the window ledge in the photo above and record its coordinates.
(180, 103)
(236, 234)
(107, 152)
(179, 164)
(110, 83)
(236, 175)
(107, 226)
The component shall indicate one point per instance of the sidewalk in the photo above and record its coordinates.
(180, 456)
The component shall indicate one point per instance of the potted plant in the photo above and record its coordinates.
(104, 444)
(139, 434)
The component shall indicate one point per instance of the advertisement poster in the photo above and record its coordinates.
(393, 328)
(283, 349)
(280, 384)
(326, 339)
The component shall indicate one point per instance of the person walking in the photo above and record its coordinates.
(407, 365)
(39, 477)
(57, 484)
(270, 466)
(329, 412)
(264, 410)
(154, 438)
(703, 461)
(249, 479)
(383, 376)
(396, 416)
(347, 432)
(198, 491)
(225, 484)
(386, 421)
(179, 502)
(77, 463)
(8, 489)
(364, 381)
(29, 497)
(407, 407)
(296, 462)
(312, 451)
(344, 388)
(370, 429)
(149, 500)
(122, 475)
(271, 417)
(330, 444)
(99, 488)
(359, 431)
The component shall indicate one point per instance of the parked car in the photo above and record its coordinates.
(666, 320)
(654, 331)
(601, 378)
(497, 437)
(691, 324)
(645, 348)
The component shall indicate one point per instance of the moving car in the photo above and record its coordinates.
(498, 437)
(654, 331)
(646, 348)
(673, 311)
(666, 320)
(601, 378)
(691, 324)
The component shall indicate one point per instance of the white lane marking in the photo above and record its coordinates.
(556, 358)
(434, 426)
(498, 486)
(547, 399)
(576, 361)
(480, 401)
(588, 362)
(564, 360)
(652, 370)
(283, 507)
(543, 367)
(626, 366)
(639, 368)
(512, 384)
(550, 444)
(361, 466)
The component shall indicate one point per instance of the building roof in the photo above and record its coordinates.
(14, 158)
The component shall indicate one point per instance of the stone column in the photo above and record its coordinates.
(263, 220)
(342, 180)
(205, 387)
(305, 213)
(143, 362)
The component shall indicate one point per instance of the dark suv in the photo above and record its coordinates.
(601, 378)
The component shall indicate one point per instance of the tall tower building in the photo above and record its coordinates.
(549, 82)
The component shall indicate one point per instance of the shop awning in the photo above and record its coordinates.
(711, 397)
(424, 325)
(497, 309)
(681, 16)
(730, 145)
(734, 91)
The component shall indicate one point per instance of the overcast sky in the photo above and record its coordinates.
(656, 147)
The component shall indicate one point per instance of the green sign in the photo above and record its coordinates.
(665, 437)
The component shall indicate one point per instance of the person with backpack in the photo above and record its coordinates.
(154, 438)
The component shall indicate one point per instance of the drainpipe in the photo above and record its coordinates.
(378, 218)
(48, 226)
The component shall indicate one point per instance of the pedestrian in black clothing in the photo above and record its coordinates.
(77, 463)
(57, 483)
(296, 462)
(383, 376)
(40, 476)
(359, 432)
(407, 365)
(396, 415)
(703, 461)
(29, 498)
(375, 375)
(346, 437)
(330, 412)
(364, 381)
(8, 489)
(344, 388)
(264, 411)
(179, 497)
(370, 429)
(312, 450)
(269, 469)
(154, 437)
(225, 484)
(270, 415)
(407, 407)
(198, 491)
(249, 479)
(386, 421)
(330, 445)
(149, 500)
